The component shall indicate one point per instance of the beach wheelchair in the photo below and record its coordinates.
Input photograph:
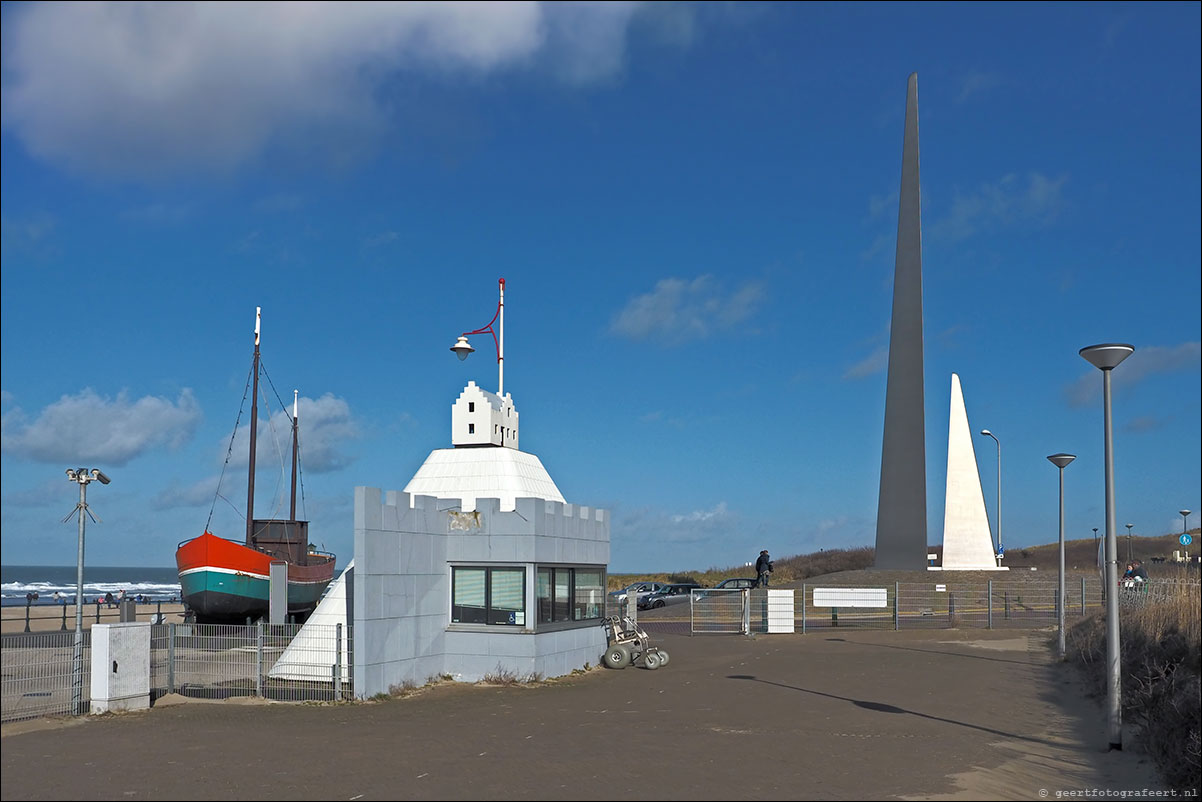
(629, 645)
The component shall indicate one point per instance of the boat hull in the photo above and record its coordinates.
(225, 581)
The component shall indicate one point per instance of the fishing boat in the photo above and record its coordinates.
(229, 581)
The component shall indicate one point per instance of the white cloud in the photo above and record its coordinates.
(326, 425)
(196, 494)
(153, 88)
(1144, 362)
(718, 512)
(94, 429)
(1008, 201)
(974, 82)
(714, 525)
(874, 363)
(678, 310)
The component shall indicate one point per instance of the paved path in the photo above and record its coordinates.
(840, 715)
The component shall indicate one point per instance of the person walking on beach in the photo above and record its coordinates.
(763, 567)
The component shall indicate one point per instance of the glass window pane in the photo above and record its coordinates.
(467, 591)
(563, 576)
(543, 594)
(590, 595)
(508, 588)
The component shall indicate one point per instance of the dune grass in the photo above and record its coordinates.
(1160, 648)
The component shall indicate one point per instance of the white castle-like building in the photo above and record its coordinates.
(478, 564)
(485, 460)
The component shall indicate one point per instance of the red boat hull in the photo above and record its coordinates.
(226, 581)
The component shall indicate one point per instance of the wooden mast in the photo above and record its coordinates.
(295, 418)
(254, 430)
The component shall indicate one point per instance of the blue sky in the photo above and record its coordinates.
(694, 209)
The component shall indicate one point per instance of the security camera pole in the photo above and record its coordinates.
(83, 476)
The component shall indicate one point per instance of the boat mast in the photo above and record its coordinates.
(295, 418)
(254, 430)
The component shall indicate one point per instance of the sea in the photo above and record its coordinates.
(158, 584)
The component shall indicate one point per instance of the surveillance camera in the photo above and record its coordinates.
(98, 474)
(71, 474)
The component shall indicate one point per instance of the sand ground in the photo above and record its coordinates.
(49, 617)
(935, 714)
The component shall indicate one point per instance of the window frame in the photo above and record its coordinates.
(548, 615)
(521, 618)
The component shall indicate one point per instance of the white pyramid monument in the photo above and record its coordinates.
(967, 543)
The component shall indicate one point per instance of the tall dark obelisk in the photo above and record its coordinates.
(901, 516)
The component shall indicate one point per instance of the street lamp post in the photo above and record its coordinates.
(1106, 357)
(1129, 541)
(462, 348)
(998, 550)
(83, 476)
(1060, 461)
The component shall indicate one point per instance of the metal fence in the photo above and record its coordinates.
(901, 605)
(207, 661)
(274, 661)
(38, 678)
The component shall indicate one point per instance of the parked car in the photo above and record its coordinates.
(640, 589)
(734, 583)
(676, 593)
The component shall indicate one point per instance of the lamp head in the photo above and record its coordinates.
(1107, 355)
(462, 348)
(1060, 460)
(1185, 512)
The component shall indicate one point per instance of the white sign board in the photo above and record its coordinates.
(851, 597)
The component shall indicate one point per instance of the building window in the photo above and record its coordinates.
(488, 596)
(471, 406)
(471, 428)
(569, 594)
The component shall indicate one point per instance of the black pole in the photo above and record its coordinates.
(27, 603)
(64, 628)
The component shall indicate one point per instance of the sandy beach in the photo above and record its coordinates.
(50, 618)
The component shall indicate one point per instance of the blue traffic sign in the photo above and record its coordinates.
(1185, 540)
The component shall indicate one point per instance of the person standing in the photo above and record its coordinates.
(763, 567)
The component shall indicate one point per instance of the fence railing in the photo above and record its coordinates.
(209, 661)
(900, 605)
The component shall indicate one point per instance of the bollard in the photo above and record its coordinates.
(834, 616)
(27, 603)
(97, 612)
(158, 613)
(951, 609)
(64, 627)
